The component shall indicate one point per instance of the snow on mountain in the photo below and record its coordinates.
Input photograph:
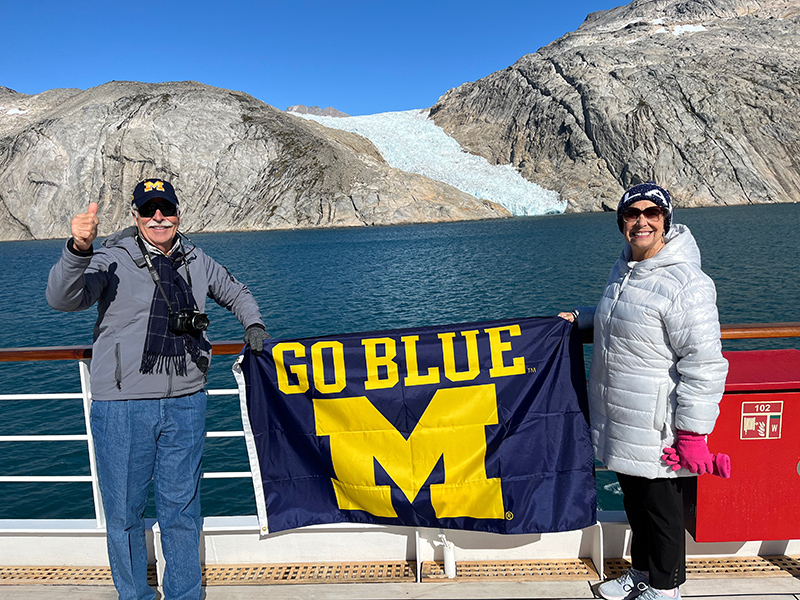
(409, 141)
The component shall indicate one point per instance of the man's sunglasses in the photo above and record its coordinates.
(148, 209)
(651, 213)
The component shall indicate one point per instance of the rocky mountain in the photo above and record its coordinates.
(702, 96)
(236, 163)
(328, 111)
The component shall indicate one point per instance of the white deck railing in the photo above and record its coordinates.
(82, 354)
(85, 396)
(236, 539)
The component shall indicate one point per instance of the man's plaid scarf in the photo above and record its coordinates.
(165, 351)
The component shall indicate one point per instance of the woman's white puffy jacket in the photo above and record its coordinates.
(657, 364)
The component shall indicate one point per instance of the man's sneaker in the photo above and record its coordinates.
(630, 585)
(653, 594)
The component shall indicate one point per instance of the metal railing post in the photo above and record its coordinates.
(86, 392)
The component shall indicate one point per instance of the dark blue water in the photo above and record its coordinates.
(319, 282)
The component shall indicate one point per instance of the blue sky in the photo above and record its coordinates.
(359, 57)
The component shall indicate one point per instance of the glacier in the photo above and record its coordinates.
(408, 140)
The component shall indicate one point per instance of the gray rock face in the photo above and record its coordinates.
(702, 96)
(236, 163)
(328, 111)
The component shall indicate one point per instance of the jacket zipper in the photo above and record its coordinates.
(118, 366)
(622, 285)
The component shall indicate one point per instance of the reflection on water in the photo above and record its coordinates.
(318, 282)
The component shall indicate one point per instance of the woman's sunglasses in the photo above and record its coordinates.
(651, 213)
(148, 209)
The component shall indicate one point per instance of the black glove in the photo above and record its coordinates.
(255, 336)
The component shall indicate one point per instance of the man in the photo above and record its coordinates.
(149, 361)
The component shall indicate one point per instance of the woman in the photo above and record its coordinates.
(656, 380)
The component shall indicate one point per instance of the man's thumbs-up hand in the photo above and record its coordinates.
(84, 228)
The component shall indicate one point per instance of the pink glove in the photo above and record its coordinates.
(722, 462)
(722, 465)
(692, 453)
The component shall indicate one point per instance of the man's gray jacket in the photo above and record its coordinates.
(116, 277)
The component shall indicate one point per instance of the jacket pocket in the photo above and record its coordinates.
(660, 415)
(118, 366)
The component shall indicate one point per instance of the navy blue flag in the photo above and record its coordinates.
(480, 426)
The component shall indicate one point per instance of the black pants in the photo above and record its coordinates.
(655, 512)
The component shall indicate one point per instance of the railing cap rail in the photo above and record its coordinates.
(729, 332)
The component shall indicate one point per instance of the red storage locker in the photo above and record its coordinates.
(759, 427)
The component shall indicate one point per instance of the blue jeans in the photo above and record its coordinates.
(136, 441)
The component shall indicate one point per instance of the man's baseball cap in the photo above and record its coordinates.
(153, 188)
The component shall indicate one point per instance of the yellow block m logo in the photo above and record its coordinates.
(149, 186)
(453, 427)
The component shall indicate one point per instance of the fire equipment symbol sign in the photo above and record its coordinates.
(761, 420)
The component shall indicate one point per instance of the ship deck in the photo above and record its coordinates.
(743, 578)
(741, 588)
(379, 562)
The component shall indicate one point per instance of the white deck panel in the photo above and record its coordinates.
(773, 588)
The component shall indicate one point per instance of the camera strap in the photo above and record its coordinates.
(148, 261)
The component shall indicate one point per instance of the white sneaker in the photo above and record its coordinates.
(630, 585)
(652, 593)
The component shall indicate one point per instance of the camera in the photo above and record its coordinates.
(188, 321)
